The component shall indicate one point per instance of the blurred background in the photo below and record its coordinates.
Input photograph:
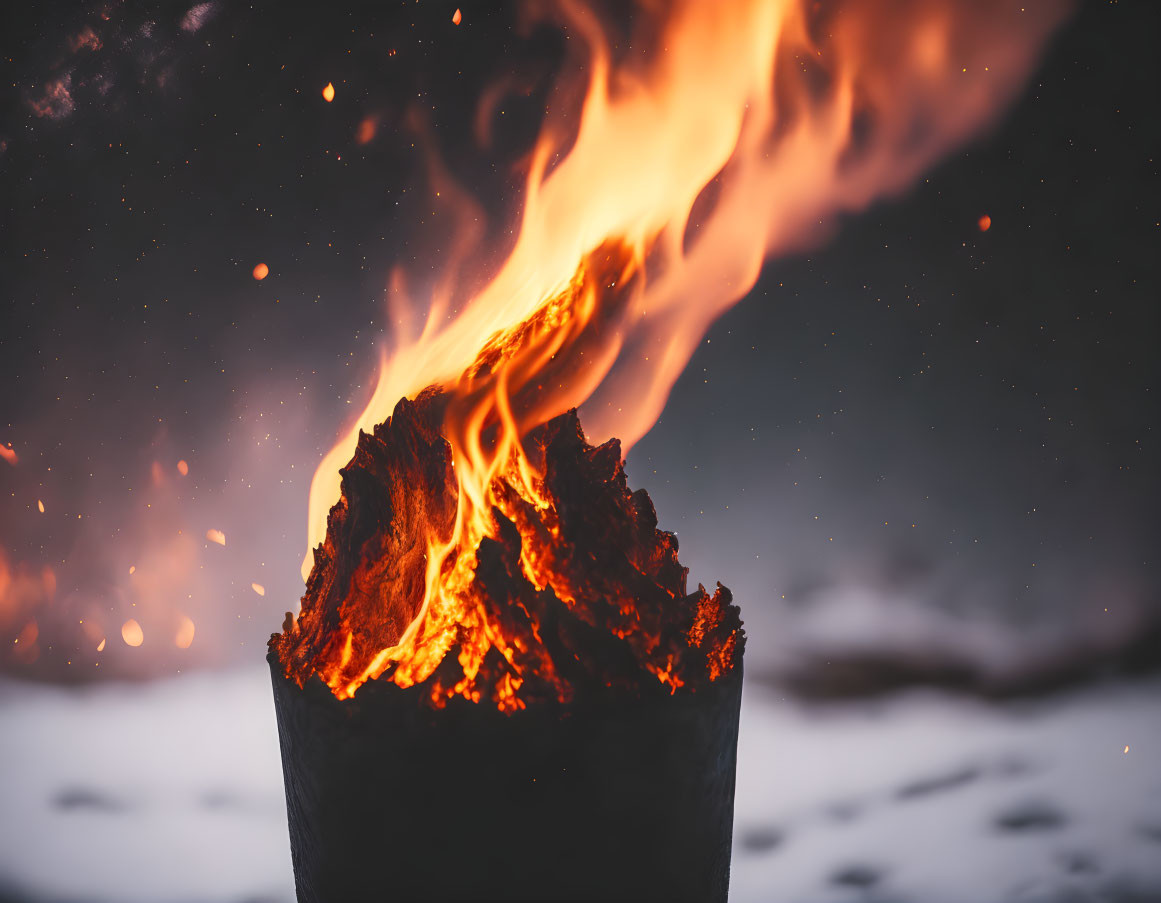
(922, 455)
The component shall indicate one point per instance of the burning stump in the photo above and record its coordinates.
(532, 710)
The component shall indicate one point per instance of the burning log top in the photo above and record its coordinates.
(570, 591)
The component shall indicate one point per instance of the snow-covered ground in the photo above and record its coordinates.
(172, 792)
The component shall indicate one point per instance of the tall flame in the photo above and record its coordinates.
(749, 128)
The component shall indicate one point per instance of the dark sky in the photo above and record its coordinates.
(917, 414)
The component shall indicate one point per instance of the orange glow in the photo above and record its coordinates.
(9, 455)
(132, 569)
(40, 506)
(185, 634)
(101, 645)
(457, 17)
(985, 223)
(131, 633)
(261, 271)
(216, 536)
(647, 217)
(258, 588)
(183, 468)
(328, 93)
(367, 129)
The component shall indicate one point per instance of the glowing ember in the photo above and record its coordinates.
(1126, 750)
(556, 583)
(183, 468)
(367, 129)
(132, 569)
(185, 634)
(216, 536)
(9, 454)
(101, 645)
(457, 17)
(258, 588)
(131, 633)
(261, 271)
(40, 506)
(985, 223)
(328, 93)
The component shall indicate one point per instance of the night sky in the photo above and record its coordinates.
(918, 416)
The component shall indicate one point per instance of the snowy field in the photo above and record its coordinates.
(171, 793)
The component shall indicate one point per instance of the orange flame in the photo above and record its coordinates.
(9, 454)
(328, 93)
(216, 536)
(752, 123)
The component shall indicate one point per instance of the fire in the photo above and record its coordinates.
(457, 17)
(9, 454)
(40, 506)
(328, 93)
(183, 468)
(750, 123)
(216, 536)
(258, 588)
(261, 271)
(101, 645)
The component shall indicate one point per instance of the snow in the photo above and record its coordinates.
(171, 791)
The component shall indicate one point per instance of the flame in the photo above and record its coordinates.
(328, 93)
(132, 633)
(101, 645)
(261, 271)
(258, 588)
(457, 17)
(751, 123)
(40, 506)
(9, 454)
(216, 536)
(183, 468)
